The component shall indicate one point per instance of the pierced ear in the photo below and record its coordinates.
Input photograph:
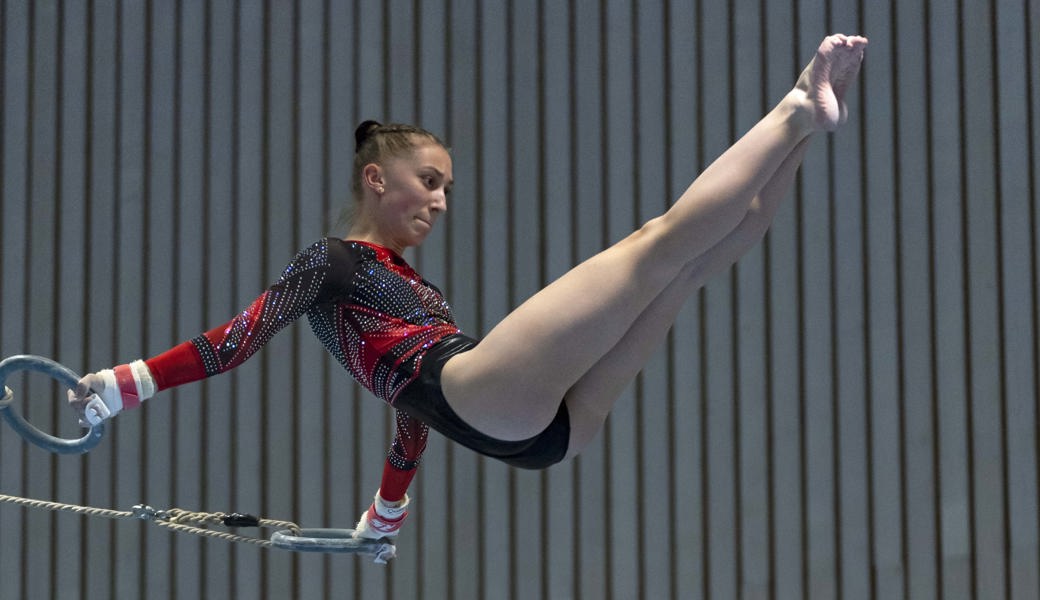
(372, 174)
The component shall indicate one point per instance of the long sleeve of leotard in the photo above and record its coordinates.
(229, 345)
(403, 458)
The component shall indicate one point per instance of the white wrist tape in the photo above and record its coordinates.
(121, 388)
(144, 380)
(392, 511)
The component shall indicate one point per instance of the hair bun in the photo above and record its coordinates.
(364, 131)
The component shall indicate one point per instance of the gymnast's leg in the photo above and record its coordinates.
(510, 386)
(592, 398)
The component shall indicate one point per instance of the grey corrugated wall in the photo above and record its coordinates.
(851, 412)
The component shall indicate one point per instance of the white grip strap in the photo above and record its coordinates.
(96, 411)
(108, 395)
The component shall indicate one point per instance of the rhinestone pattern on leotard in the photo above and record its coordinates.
(288, 299)
(386, 321)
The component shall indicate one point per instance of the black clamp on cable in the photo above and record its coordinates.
(241, 520)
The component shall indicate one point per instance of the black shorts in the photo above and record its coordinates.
(424, 400)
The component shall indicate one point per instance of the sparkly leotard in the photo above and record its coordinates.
(370, 309)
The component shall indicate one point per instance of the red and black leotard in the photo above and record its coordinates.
(370, 309)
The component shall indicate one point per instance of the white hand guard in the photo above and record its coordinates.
(382, 519)
(105, 394)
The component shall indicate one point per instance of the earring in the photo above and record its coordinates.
(380, 190)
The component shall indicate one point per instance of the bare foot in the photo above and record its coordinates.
(829, 75)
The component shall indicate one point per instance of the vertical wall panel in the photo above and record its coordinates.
(588, 185)
(850, 412)
(217, 209)
(16, 124)
(310, 169)
(1018, 352)
(159, 275)
(559, 137)
(73, 166)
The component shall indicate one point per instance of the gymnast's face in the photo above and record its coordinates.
(415, 194)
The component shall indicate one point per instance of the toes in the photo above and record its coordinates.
(858, 41)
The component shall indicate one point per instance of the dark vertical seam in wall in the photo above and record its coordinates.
(1033, 250)
(449, 270)
(388, 67)
(146, 278)
(57, 272)
(640, 381)
(120, 303)
(236, 280)
(3, 192)
(969, 363)
(207, 201)
(897, 222)
(30, 88)
(175, 314)
(481, 311)
(543, 269)
(574, 193)
(3, 159)
(327, 202)
(800, 293)
(3, 124)
(512, 240)
(933, 330)
(479, 265)
(670, 390)
(88, 187)
(355, 405)
(604, 123)
(541, 104)
(770, 362)
(734, 332)
(417, 62)
(900, 317)
(294, 340)
(449, 125)
(265, 221)
(835, 351)
(420, 564)
(835, 365)
(868, 315)
(998, 210)
(702, 319)
(450, 454)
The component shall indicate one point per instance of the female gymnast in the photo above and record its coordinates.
(540, 384)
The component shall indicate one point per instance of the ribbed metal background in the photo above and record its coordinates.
(851, 412)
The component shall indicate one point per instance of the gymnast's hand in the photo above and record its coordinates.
(383, 519)
(96, 398)
(103, 395)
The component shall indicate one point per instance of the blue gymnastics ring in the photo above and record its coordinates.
(65, 376)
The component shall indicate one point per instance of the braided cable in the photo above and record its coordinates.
(175, 519)
(212, 533)
(72, 508)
